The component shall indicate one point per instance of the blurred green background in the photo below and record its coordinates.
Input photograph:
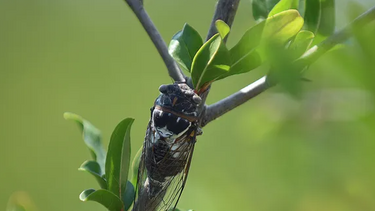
(93, 58)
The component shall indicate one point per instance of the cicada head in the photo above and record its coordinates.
(175, 110)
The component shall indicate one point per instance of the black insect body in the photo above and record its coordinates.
(168, 148)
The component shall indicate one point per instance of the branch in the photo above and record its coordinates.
(173, 69)
(225, 11)
(223, 106)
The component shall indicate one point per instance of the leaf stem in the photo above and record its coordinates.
(173, 69)
(227, 104)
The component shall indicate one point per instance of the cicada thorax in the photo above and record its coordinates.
(172, 131)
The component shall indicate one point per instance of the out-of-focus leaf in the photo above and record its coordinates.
(211, 61)
(261, 8)
(91, 137)
(327, 20)
(135, 166)
(313, 15)
(128, 195)
(300, 43)
(284, 5)
(118, 158)
(103, 197)
(320, 16)
(243, 55)
(20, 201)
(284, 72)
(184, 45)
(93, 168)
(222, 28)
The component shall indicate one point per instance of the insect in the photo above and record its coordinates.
(168, 148)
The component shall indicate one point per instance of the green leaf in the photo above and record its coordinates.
(135, 166)
(327, 20)
(261, 8)
(243, 55)
(20, 201)
(278, 31)
(93, 168)
(313, 15)
(118, 158)
(300, 43)
(211, 61)
(128, 195)
(222, 28)
(284, 5)
(16, 207)
(184, 45)
(320, 16)
(91, 137)
(281, 27)
(103, 197)
(286, 73)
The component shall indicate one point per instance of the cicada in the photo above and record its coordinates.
(168, 148)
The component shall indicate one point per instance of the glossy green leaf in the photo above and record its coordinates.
(184, 45)
(91, 137)
(283, 5)
(93, 168)
(243, 55)
(300, 43)
(222, 28)
(281, 27)
(103, 197)
(261, 8)
(118, 158)
(135, 166)
(278, 31)
(128, 195)
(211, 61)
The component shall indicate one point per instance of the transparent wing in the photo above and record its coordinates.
(162, 173)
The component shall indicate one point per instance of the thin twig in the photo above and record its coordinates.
(173, 69)
(225, 11)
(223, 106)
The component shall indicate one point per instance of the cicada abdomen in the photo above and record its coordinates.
(168, 148)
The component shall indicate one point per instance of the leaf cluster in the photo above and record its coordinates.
(111, 168)
(280, 37)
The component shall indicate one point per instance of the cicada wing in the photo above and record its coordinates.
(140, 191)
(177, 185)
(169, 190)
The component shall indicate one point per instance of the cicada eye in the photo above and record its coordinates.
(160, 118)
(178, 126)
